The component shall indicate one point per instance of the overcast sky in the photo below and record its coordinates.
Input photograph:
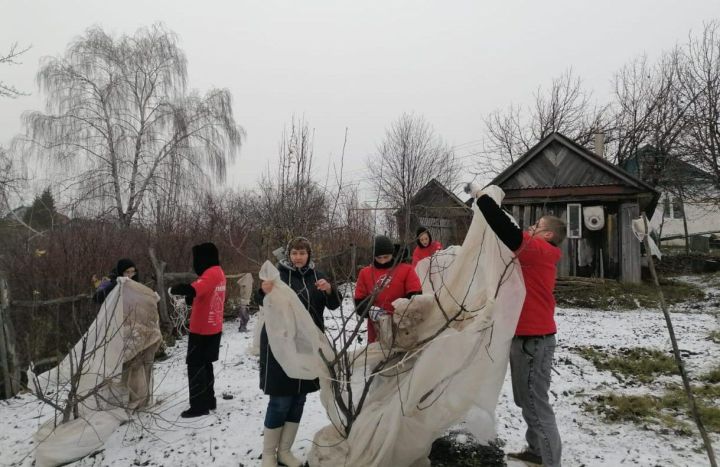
(361, 64)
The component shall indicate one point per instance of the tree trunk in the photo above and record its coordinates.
(685, 226)
(8, 357)
(353, 261)
(159, 267)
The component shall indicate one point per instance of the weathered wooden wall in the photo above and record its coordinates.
(629, 244)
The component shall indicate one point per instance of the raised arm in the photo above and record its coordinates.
(506, 230)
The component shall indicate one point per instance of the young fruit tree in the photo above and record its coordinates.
(439, 356)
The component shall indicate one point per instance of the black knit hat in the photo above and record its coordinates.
(383, 246)
(123, 265)
(205, 255)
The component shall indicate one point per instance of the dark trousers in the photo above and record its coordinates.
(201, 386)
(283, 409)
(202, 351)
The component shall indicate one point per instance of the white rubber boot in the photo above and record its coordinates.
(271, 441)
(285, 455)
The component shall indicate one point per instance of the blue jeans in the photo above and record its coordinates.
(530, 366)
(283, 409)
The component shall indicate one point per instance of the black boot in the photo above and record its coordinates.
(193, 412)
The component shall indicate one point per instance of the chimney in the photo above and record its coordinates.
(600, 144)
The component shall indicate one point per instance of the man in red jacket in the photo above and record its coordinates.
(207, 297)
(533, 347)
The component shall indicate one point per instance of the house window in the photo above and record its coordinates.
(574, 220)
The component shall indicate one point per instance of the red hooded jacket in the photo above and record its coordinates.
(209, 303)
(421, 253)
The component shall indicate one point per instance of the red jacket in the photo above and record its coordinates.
(538, 260)
(421, 253)
(206, 317)
(397, 282)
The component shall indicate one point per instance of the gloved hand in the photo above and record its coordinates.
(473, 189)
(184, 289)
(375, 313)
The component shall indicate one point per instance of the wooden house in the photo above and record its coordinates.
(597, 199)
(438, 209)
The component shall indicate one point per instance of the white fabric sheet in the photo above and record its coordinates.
(115, 356)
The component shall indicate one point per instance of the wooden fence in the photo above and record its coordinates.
(13, 363)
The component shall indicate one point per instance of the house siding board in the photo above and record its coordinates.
(629, 244)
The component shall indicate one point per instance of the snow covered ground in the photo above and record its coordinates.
(231, 435)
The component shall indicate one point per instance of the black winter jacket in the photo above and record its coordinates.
(273, 379)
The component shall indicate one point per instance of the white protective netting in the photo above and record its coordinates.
(435, 371)
(113, 361)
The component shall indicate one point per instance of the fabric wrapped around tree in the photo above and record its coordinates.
(444, 356)
(114, 361)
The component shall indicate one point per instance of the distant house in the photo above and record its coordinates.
(438, 209)
(597, 199)
(679, 184)
(17, 213)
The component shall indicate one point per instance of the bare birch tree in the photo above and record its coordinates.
(121, 118)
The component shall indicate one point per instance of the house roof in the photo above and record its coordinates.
(434, 186)
(557, 167)
(17, 212)
(648, 164)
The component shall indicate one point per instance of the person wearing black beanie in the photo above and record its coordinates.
(124, 268)
(207, 297)
(395, 280)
